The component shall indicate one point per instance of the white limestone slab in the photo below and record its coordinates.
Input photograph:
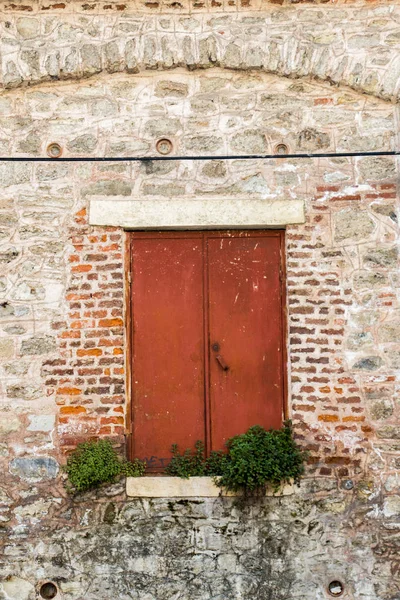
(176, 487)
(199, 213)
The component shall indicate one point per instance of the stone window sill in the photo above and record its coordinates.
(176, 487)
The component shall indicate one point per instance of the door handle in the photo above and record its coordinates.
(222, 363)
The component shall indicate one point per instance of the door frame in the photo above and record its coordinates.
(130, 236)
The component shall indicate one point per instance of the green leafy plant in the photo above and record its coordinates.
(259, 458)
(193, 463)
(96, 462)
(253, 461)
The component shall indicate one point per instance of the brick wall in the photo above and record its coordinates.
(89, 375)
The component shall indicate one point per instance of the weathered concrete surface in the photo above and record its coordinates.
(195, 214)
(207, 549)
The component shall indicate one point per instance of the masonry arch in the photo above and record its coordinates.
(275, 42)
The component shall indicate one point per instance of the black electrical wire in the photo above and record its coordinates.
(178, 158)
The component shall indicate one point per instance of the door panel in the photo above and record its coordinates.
(245, 341)
(168, 350)
(207, 341)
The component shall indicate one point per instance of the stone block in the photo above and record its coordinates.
(83, 144)
(24, 391)
(16, 588)
(391, 506)
(369, 279)
(28, 27)
(177, 487)
(41, 422)
(382, 257)
(352, 224)
(7, 348)
(390, 332)
(35, 468)
(203, 214)
(368, 363)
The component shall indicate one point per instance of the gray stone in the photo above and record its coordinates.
(24, 391)
(198, 144)
(390, 432)
(30, 145)
(83, 143)
(131, 147)
(382, 410)
(368, 363)
(32, 59)
(8, 219)
(150, 52)
(167, 189)
(14, 173)
(6, 348)
(26, 290)
(38, 345)
(9, 310)
(38, 468)
(359, 339)
(171, 88)
(103, 107)
(15, 330)
(162, 127)
(7, 256)
(351, 224)
(113, 57)
(390, 331)
(16, 368)
(232, 56)
(214, 169)
(41, 422)
(28, 27)
(369, 279)
(16, 588)
(108, 188)
(376, 168)
(9, 424)
(311, 140)
(387, 210)
(91, 59)
(131, 57)
(250, 141)
(391, 506)
(393, 357)
(50, 247)
(382, 257)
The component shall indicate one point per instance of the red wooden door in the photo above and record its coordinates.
(168, 346)
(207, 338)
(245, 335)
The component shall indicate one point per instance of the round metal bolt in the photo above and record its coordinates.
(48, 590)
(164, 146)
(281, 149)
(348, 484)
(54, 150)
(335, 588)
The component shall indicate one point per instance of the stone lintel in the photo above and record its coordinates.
(176, 487)
(198, 213)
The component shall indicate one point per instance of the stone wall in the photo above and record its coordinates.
(62, 337)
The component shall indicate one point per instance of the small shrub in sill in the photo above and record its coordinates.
(254, 460)
(260, 458)
(94, 463)
(194, 463)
